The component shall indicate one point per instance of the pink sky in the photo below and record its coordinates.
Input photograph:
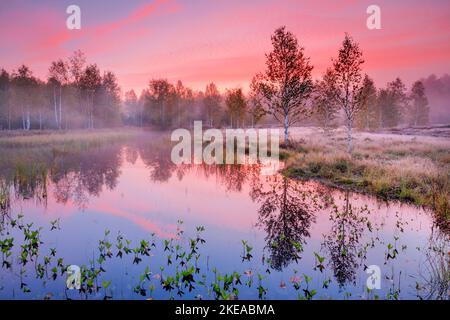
(223, 40)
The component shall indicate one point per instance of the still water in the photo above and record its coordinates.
(133, 221)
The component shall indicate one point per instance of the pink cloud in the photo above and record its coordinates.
(95, 33)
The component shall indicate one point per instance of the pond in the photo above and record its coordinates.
(140, 227)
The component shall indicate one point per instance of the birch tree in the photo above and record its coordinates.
(131, 111)
(23, 82)
(325, 105)
(90, 81)
(5, 106)
(255, 108)
(160, 103)
(212, 100)
(419, 105)
(236, 106)
(393, 103)
(348, 83)
(286, 83)
(184, 99)
(369, 116)
(59, 74)
(77, 63)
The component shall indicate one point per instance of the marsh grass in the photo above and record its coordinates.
(393, 167)
(434, 279)
(182, 272)
(66, 139)
(180, 276)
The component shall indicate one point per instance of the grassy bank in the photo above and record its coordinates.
(75, 138)
(393, 167)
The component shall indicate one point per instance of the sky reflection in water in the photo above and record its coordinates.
(136, 190)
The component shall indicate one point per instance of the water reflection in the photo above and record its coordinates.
(285, 213)
(433, 280)
(342, 243)
(156, 157)
(5, 202)
(78, 176)
(290, 215)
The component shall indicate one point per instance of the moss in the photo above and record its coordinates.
(346, 181)
(294, 172)
(294, 146)
(284, 155)
(443, 207)
(385, 190)
(408, 195)
(341, 165)
(301, 149)
(363, 183)
(314, 167)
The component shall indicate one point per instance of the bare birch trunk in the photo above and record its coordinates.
(349, 136)
(23, 119)
(28, 122)
(60, 107)
(55, 107)
(286, 129)
(9, 117)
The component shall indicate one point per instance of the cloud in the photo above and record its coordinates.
(43, 35)
(225, 41)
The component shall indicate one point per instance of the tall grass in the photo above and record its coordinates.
(68, 138)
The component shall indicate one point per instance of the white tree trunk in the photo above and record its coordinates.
(23, 119)
(286, 129)
(28, 123)
(9, 117)
(349, 136)
(56, 108)
(60, 107)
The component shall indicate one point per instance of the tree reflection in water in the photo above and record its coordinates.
(286, 213)
(156, 157)
(78, 176)
(342, 243)
(75, 175)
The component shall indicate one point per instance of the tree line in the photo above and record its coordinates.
(76, 94)
(165, 105)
